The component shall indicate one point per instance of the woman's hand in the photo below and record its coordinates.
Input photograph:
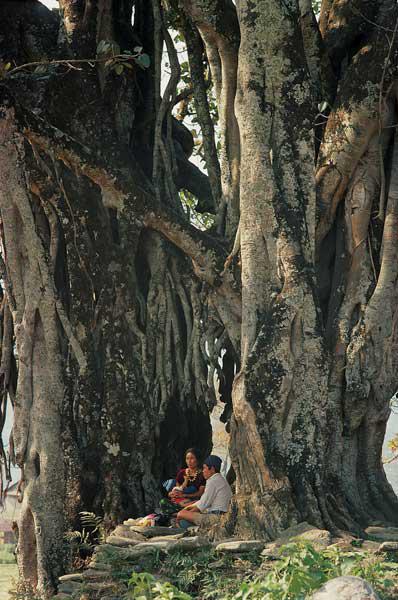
(175, 493)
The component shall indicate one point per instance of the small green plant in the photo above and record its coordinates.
(143, 586)
(82, 543)
(301, 569)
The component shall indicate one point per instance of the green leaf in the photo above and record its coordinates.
(143, 60)
(119, 69)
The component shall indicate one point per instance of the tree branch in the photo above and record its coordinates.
(123, 186)
(218, 25)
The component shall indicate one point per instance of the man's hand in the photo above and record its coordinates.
(192, 507)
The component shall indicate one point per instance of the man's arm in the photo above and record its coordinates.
(207, 499)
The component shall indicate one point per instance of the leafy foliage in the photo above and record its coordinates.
(143, 586)
(200, 220)
(82, 542)
(120, 61)
(299, 571)
(316, 5)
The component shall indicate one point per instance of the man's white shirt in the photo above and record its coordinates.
(217, 495)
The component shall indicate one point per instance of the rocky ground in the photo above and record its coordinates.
(146, 562)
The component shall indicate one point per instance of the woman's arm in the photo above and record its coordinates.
(196, 494)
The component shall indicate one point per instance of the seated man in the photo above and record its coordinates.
(216, 497)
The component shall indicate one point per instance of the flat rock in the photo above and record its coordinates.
(241, 546)
(159, 545)
(294, 531)
(95, 574)
(388, 547)
(190, 543)
(69, 587)
(134, 553)
(159, 538)
(320, 538)
(383, 534)
(370, 545)
(126, 532)
(344, 546)
(99, 586)
(102, 550)
(116, 540)
(150, 532)
(271, 551)
(100, 566)
(346, 588)
(71, 577)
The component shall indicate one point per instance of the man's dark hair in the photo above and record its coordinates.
(213, 461)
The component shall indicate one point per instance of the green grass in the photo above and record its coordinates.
(7, 574)
(6, 554)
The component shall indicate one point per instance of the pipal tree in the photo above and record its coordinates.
(117, 305)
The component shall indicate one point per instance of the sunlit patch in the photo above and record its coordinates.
(50, 3)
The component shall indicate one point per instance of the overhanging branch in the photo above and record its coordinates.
(123, 186)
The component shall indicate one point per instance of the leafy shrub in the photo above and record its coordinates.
(82, 543)
(302, 569)
(299, 571)
(143, 586)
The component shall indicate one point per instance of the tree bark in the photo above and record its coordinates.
(108, 318)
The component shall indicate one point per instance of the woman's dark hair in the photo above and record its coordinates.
(195, 452)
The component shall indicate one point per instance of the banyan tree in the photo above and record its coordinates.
(130, 274)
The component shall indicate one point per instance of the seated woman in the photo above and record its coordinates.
(190, 483)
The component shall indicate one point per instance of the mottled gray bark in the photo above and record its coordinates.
(108, 316)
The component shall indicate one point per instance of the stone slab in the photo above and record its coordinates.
(163, 544)
(69, 587)
(241, 546)
(271, 551)
(159, 538)
(188, 544)
(388, 547)
(116, 540)
(95, 574)
(320, 538)
(383, 534)
(100, 566)
(123, 531)
(346, 588)
(71, 577)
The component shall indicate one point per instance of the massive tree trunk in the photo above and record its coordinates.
(107, 316)
(121, 308)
